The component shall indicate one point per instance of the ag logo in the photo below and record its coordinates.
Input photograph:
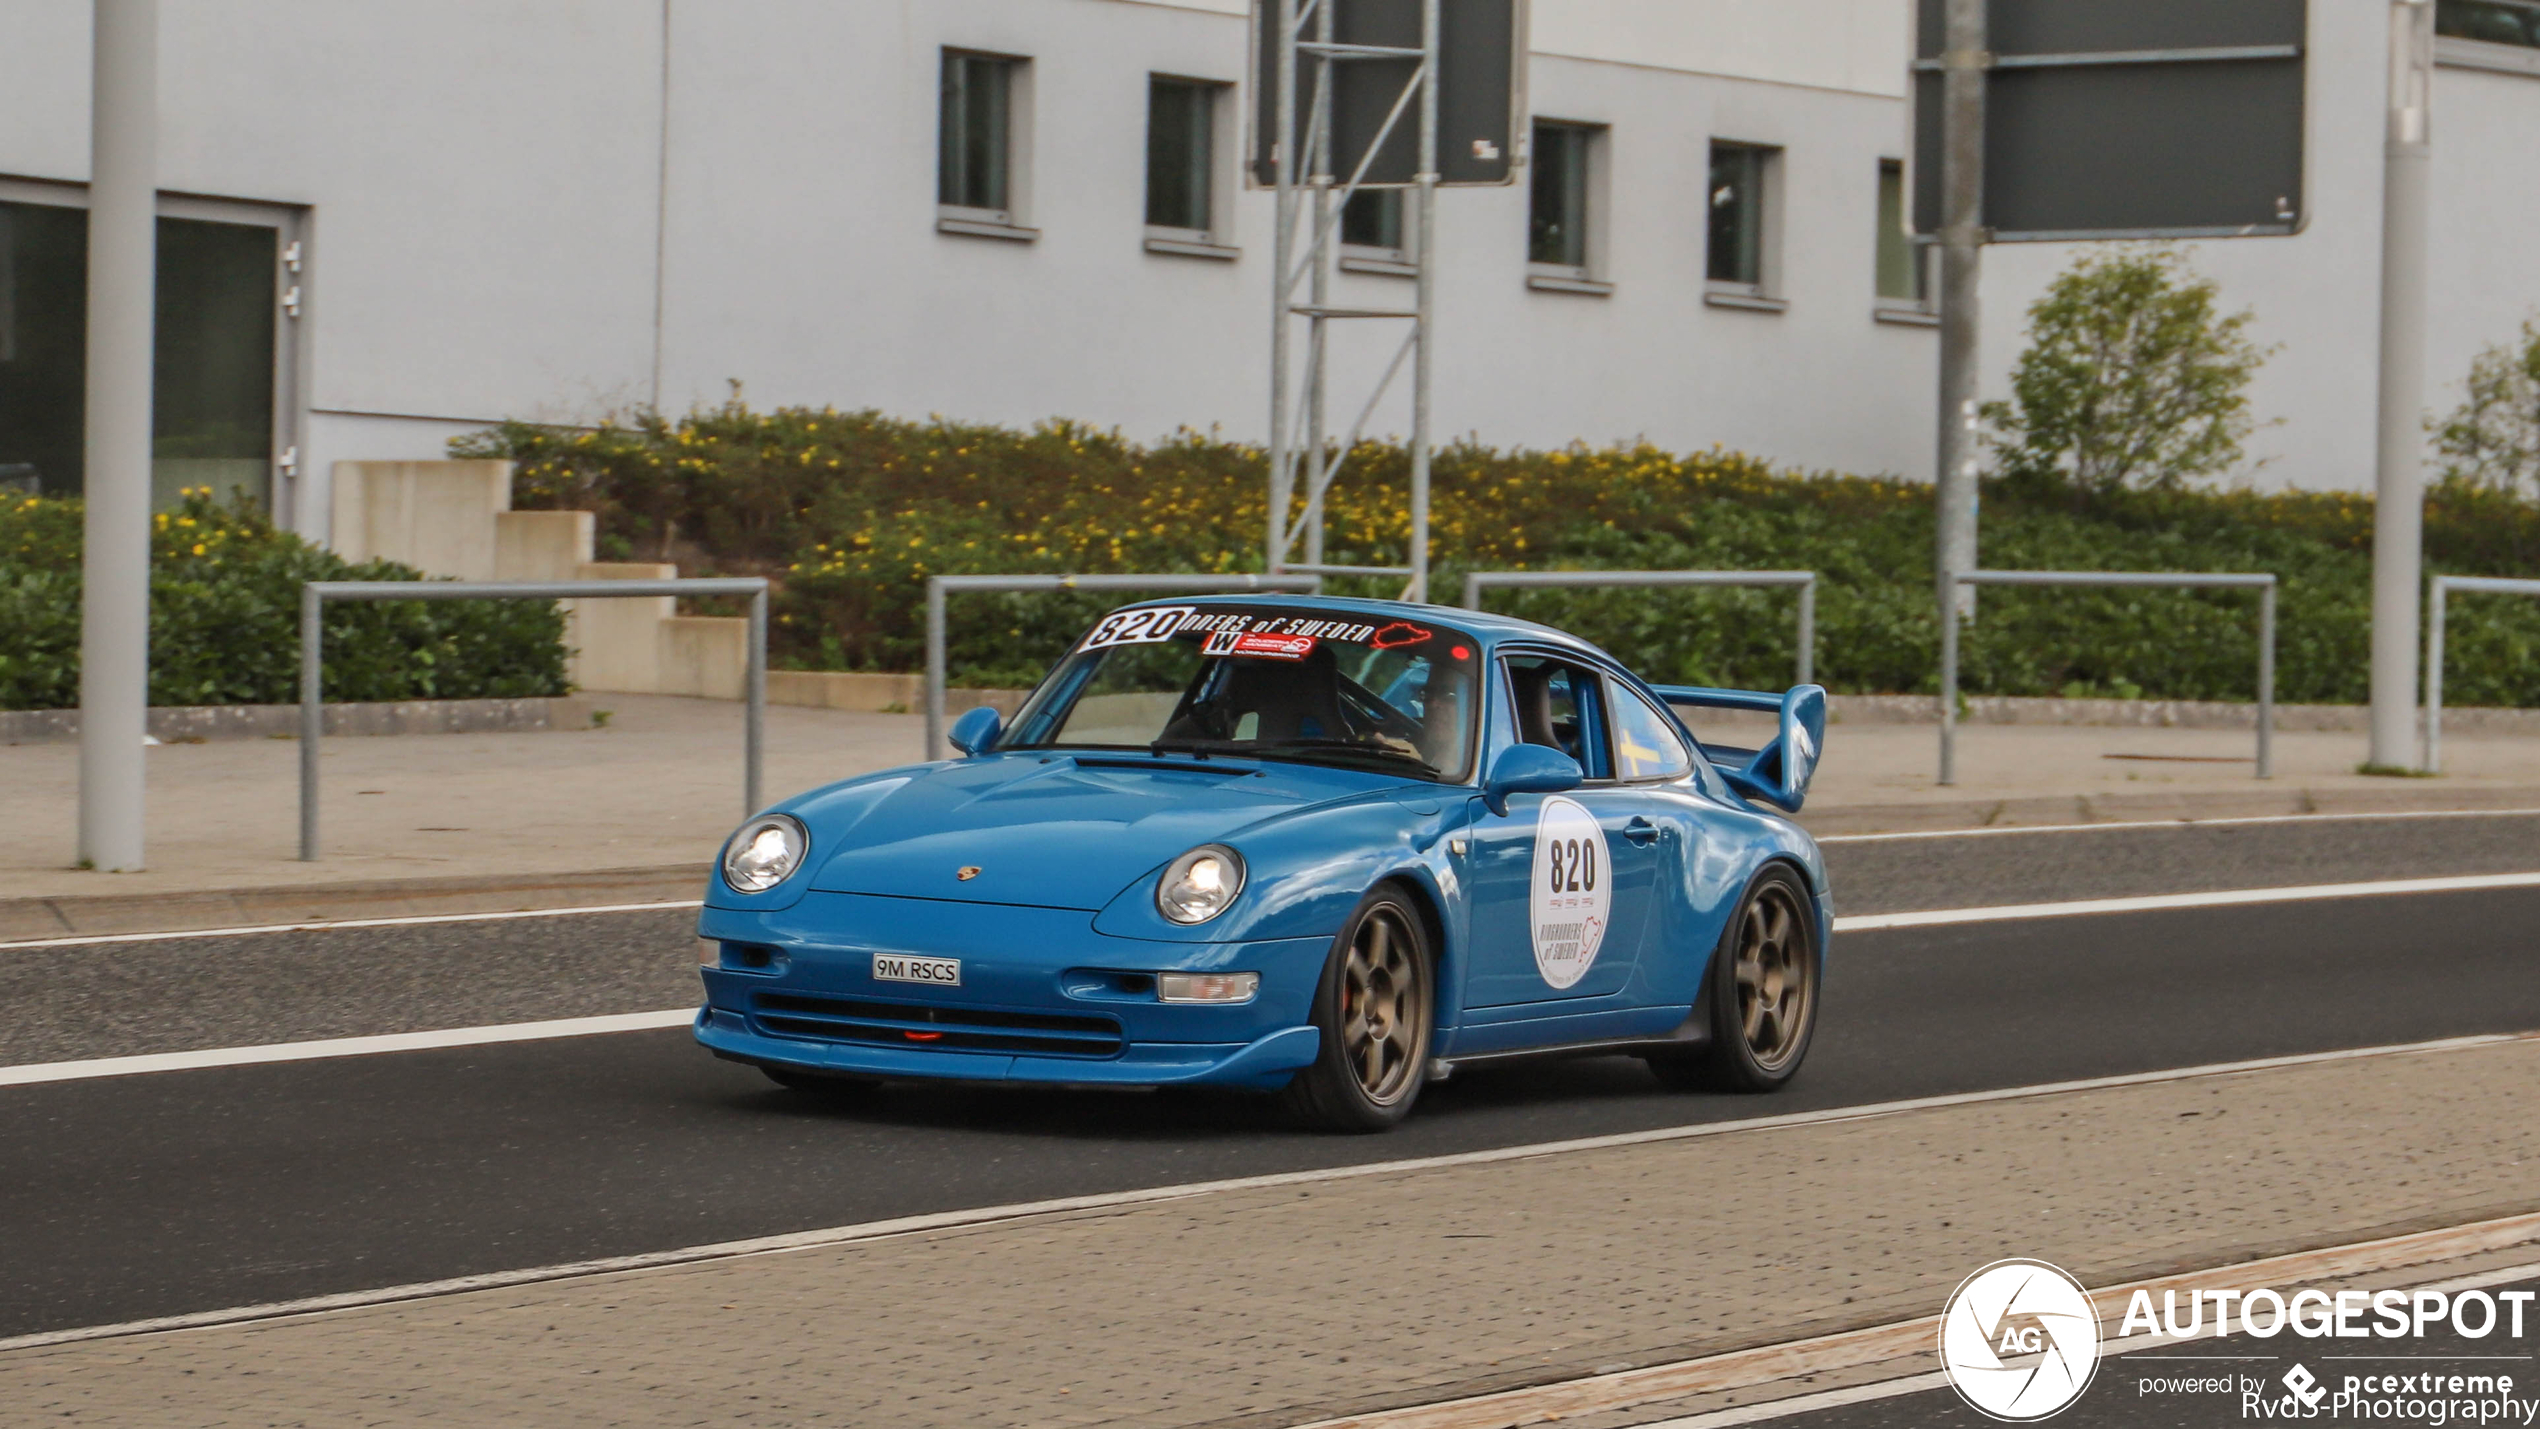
(1573, 896)
(2020, 1340)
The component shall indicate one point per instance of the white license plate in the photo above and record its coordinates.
(940, 972)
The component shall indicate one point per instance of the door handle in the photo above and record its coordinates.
(1640, 830)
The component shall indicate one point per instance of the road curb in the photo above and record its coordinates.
(2403, 796)
(30, 919)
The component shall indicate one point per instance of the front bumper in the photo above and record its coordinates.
(1044, 998)
(1262, 1065)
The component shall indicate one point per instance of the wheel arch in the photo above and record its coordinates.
(1810, 884)
(1798, 868)
(1424, 901)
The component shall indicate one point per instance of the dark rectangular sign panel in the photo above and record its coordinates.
(1481, 91)
(2128, 119)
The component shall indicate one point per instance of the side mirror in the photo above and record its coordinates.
(1780, 771)
(977, 729)
(1529, 769)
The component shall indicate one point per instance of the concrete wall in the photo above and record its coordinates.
(553, 210)
(439, 517)
(451, 519)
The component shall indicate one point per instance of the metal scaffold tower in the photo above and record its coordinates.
(1344, 83)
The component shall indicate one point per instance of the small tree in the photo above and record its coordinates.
(2493, 439)
(2133, 377)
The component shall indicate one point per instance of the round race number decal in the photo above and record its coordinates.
(1572, 899)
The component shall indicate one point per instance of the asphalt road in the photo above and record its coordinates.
(2142, 1391)
(138, 1196)
(173, 995)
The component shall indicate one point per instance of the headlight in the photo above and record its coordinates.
(764, 852)
(1197, 886)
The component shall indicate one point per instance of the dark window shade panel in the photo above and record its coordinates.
(1558, 217)
(1180, 141)
(975, 155)
(1373, 219)
(1736, 204)
(212, 381)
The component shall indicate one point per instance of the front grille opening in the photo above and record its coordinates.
(947, 1029)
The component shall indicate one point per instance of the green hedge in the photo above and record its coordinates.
(225, 618)
(851, 510)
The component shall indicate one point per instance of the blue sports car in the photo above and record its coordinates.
(1334, 849)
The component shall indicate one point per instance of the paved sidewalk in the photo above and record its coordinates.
(645, 802)
(1285, 1304)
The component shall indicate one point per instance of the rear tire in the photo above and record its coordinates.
(1375, 1006)
(1763, 986)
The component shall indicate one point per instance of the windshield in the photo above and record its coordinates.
(1268, 682)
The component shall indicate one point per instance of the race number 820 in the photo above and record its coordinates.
(1144, 626)
(1573, 864)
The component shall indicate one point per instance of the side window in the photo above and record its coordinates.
(1557, 706)
(1646, 746)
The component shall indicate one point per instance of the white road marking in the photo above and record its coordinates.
(342, 1047)
(2224, 898)
(2114, 825)
(906, 1225)
(416, 920)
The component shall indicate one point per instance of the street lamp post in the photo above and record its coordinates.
(2398, 521)
(114, 628)
(1963, 62)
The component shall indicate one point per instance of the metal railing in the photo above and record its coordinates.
(315, 594)
(2262, 582)
(2442, 587)
(1476, 581)
(937, 587)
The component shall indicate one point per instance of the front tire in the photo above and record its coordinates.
(1763, 986)
(1375, 1007)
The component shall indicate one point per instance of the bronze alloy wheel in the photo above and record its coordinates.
(1383, 1006)
(1775, 973)
(1374, 1006)
(1762, 990)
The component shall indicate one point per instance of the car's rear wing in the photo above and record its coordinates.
(1779, 772)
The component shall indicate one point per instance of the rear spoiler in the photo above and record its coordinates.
(1777, 774)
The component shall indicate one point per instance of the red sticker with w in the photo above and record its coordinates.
(1260, 644)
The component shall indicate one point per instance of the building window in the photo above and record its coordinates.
(2499, 22)
(978, 178)
(217, 334)
(1376, 234)
(1557, 230)
(1561, 237)
(1903, 265)
(1737, 216)
(1373, 219)
(1181, 154)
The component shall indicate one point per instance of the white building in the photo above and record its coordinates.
(443, 214)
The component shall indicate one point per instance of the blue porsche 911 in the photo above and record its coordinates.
(1329, 848)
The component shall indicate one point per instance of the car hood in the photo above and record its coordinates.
(1054, 831)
